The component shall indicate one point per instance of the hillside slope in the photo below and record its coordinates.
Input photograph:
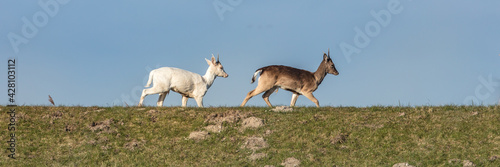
(251, 136)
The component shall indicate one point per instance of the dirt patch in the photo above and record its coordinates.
(282, 109)
(374, 126)
(214, 128)
(230, 116)
(493, 158)
(402, 165)
(100, 140)
(153, 118)
(22, 115)
(152, 111)
(134, 144)
(103, 140)
(454, 161)
(465, 163)
(103, 126)
(69, 128)
(255, 143)
(319, 117)
(252, 122)
(291, 162)
(257, 156)
(54, 115)
(340, 138)
(199, 135)
(268, 132)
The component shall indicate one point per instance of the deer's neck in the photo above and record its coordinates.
(209, 77)
(320, 74)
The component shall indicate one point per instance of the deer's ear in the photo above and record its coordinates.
(325, 57)
(209, 62)
(213, 59)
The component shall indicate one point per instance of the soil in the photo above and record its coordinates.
(252, 122)
(494, 157)
(402, 165)
(257, 156)
(340, 138)
(69, 128)
(465, 163)
(54, 115)
(255, 143)
(214, 128)
(132, 145)
(230, 116)
(103, 126)
(291, 162)
(152, 111)
(199, 135)
(282, 109)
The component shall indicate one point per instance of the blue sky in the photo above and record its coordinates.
(99, 52)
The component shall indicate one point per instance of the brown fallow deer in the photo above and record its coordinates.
(298, 81)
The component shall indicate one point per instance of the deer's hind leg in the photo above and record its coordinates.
(262, 87)
(268, 93)
(150, 91)
(161, 99)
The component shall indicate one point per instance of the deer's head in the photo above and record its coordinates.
(216, 67)
(328, 64)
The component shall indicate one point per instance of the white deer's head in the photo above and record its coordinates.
(216, 67)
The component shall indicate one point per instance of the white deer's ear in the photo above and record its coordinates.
(209, 62)
(213, 59)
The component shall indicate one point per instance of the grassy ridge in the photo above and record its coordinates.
(344, 136)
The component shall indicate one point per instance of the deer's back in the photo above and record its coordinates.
(288, 78)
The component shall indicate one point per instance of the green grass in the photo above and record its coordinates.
(376, 136)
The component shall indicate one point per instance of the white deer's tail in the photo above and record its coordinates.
(255, 75)
(150, 78)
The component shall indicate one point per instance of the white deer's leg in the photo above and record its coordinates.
(311, 97)
(199, 101)
(267, 94)
(161, 99)
(145, 92)
(142, 98)
(294, 99)
(143, 95)
(184, 101)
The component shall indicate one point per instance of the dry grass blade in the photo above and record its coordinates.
(51, 101)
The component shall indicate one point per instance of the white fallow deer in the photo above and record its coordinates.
(186, 83)
(300, 82)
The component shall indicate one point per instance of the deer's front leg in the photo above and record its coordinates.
(199, 101)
